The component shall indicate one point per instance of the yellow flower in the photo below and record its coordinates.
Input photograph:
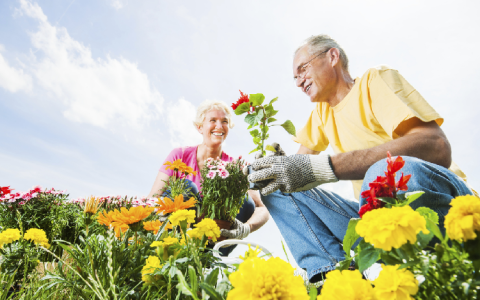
(182, 215)
(209, 228)
(151, 265)
(91, 205)
(155, 226)
(9, 235)
(166, 205)
(463, 219)
(132, 215)
(175, 166)
(170, 241)
(251, 253)
(346, 285)
(156, 244)
(188, 170)
(257, 278)
(38, 236)
(393, 284)
(385, 228)
(194, 233)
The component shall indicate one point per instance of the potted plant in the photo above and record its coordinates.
(224, 188)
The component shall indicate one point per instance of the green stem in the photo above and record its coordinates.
(264, 121)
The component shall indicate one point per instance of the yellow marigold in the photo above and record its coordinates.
(251, 253)
(166, 205)
(463, 219)
(346, 285)
(170, 241)
(155, 226)
(385, 228)
(209, 228)
(132, 215)
(188, 170)
(393, 284)
(194, 233)
(151, 265)
(182, 215)
(156, 244)
(38, 236)
(91, 205)
(257, 278)
(175, 166)
(9, 235)
(106, 218)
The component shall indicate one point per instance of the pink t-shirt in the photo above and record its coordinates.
(188, 155)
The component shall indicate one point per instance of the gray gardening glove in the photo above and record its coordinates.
(293, 173)
(239, 230)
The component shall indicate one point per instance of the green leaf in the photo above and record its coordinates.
(270, 120)
(254, 150)
(289, 127)
(270, 148)
(182, 285)
(254, 133)
(351, 236)
(193, 279)
(242, 108)
(254, 117)
(428, 213)
(388, 200)
(423, 239)
(256, 99)
(410, 197)
(344, 264)
(212, 277)
(272, 101)
(313, 293)
(432, 227)
(210, 290)
(368, 256)
(269, 111)
(390, 259)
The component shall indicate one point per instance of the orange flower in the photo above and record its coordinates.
(155, 226)
(167, 205)
(175, 166)
(188, 170)
(108, 219)
(132, 215)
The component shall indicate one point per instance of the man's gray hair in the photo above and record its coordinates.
(319, 43)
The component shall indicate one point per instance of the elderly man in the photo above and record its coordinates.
(361, 119)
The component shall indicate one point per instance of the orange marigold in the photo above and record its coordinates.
(108, 219)
(155, 226)
(176, 165)
(167, 206)
(132, 215)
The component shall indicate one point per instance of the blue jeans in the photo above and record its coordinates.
(313, 223)
(246, 211)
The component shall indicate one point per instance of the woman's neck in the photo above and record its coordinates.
(204, 152)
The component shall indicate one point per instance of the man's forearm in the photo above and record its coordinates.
(433, 148)
(258, 219)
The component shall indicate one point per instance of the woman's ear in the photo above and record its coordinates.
(200, 129)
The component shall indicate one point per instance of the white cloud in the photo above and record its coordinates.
(180, 117)
(103, 92)
(117, 4)
(11, 79)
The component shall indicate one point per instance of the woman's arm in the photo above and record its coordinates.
(158, 184)
(260, 215)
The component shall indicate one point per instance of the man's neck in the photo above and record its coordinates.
(342, 87)
(204, 152)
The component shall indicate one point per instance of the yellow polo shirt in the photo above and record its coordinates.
(367, 117)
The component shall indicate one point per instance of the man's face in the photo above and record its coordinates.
(318, 78)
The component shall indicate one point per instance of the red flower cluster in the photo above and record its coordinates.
(5, 190)
(243, 99)
(385, 186)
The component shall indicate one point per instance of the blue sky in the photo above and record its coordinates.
(94, 94)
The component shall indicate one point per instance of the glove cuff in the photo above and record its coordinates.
(322, 170)
(245, 231)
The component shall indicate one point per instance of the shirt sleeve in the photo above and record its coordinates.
(174, 155)
(312, 135)
(394, 100)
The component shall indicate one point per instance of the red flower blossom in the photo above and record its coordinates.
(5, 190)
(385, 186)
(243, 99)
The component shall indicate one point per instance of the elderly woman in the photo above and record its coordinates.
(213, 122)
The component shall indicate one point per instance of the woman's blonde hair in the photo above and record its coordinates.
(209, 105)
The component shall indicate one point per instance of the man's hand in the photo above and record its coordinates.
(293, 173)
(239, 230)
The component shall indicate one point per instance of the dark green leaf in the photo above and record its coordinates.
(242, 108)
(410, 197)
(193, 279)
(390, 259)
(344, 264)
(289, 127)
(432, 227)
(367, 257)
(211, 291)
(212, 277)
(351, 236)
(256, 99)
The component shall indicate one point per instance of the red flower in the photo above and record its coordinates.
(385, 186)
(243, 99)
(5, 190)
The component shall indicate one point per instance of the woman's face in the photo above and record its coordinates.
(214, 128)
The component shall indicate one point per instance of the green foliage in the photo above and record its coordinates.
(223, 197)
(261, 117)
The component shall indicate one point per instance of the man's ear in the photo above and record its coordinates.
(334, 56)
